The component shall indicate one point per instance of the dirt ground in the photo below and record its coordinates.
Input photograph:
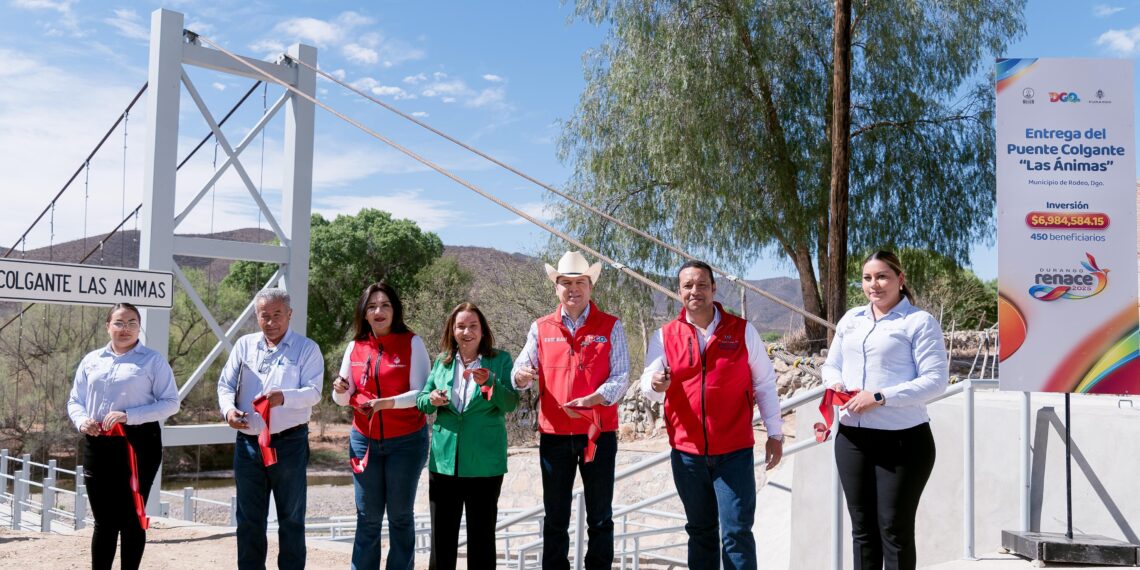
(177, 545)
(169, 545)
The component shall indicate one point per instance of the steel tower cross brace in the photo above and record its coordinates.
(172, 47)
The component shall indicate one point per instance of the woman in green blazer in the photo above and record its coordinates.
(469, 389)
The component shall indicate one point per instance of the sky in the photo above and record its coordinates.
(500, 75)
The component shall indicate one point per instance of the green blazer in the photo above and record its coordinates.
(476, 439)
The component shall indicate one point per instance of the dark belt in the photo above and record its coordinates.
(281, 433)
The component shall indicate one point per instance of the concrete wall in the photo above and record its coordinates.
(1106, 477)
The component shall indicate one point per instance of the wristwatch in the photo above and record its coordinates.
(779, 437)
(880, 399)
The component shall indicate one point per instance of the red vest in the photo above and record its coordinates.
(382, 377)
(571, 366)
(708, 406)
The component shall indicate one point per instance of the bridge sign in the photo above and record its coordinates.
(73, 284)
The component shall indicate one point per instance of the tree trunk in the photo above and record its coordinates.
(836, 287)
(809, 290)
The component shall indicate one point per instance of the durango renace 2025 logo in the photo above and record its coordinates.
(1076, 283)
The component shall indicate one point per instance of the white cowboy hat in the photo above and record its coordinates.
(573, 264)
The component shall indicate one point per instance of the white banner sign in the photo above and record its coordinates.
(1066, 182)
(68, 283)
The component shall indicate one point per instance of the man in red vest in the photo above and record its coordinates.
(578, 357)
(710, 368)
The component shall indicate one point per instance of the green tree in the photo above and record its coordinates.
(956, 296)
(707, 122)
(440, 287)
(346, 255)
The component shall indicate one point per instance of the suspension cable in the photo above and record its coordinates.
(620, 267)
(134, 213)
(123, 207)
(297, 92)
(98, 248)
(91, 155)
(566, 196)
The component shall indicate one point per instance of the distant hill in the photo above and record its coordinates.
(765, 314)
(122, 250)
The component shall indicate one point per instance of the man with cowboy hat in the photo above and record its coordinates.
(578, 357)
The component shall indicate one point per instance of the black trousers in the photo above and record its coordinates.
(883, 473)
(107, 474)
(448, 496)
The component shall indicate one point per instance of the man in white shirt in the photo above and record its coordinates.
(276, 373)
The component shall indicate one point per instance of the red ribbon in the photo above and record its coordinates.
(831, 398)
(485, 389)
(268, 454)
(358, 398)
(140, 507)
(595, 419)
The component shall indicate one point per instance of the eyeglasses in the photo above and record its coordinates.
(120, 325)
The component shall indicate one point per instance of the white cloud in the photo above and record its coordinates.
(392, 91)
(311, 30)
(46, 132)
(453, 87)
(129, 24)
(1123, 43)
(200, 27)
(1104, 10)
(16, 63)
(268, 48)
(415, 79)
(218, 86)
(68, 21)
(345, 34)
(359, 54)
(420, 114)
(429, 214)
(492, 78)
(488, 97)
(456, 90)
(352, 19)
(542, 211)
(365, 84)
(394, 52)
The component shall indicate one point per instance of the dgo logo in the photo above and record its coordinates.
(1064, 97)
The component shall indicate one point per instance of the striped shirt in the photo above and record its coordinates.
(613, 389)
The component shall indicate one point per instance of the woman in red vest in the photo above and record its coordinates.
(121, 393)
(384, 369)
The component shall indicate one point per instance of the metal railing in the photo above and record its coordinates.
(189, 500)
(16, 473)
(43, 498)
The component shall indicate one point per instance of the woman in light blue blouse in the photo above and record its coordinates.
(121, 393)
(892, 357)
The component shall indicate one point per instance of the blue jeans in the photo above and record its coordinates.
(560, 456)
(388, 481)
(286, 479)
(719, 495)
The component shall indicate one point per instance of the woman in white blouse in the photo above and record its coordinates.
(121, 393)
(383, 371)
(892, 357)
